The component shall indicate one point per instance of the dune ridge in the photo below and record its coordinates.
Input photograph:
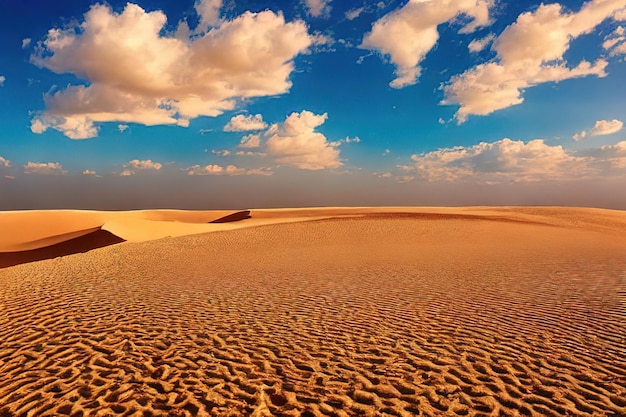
(357, 313)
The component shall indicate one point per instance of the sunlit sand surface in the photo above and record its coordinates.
(490, 311)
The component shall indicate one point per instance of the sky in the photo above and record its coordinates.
(268, 103)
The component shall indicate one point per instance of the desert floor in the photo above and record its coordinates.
(493, 311)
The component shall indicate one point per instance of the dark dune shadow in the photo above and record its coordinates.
(234, 217)
(94, 240)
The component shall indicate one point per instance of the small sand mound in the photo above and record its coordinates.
(86, 241)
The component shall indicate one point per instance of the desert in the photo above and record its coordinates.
(375, 311)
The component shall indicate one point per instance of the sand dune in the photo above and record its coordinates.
(377, 312)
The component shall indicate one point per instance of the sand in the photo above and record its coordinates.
(497, 311)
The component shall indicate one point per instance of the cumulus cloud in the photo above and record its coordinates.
(477, 45)
(250, 141)
(127, 173)
(227, 170)
(90, 172)
(134, 73)
(242, 123)
(224, 152)
(296, 143)
(615, 43)
(529, 52)
(4, 162)
(354, 13)
(209, 13)
(601, 128)
(26, 43)
(406, 35)
(144, 165)
(503, 161)
(122, 127)
(42, 168)
(2, 80)
(317, 8)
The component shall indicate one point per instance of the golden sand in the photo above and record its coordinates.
(375, 312)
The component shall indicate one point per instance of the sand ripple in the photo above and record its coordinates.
(364, 316)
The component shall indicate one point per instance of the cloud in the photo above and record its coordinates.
(601, 128)
(250, 141)
(4, 162)
(478, 45)
(406, 35)
(227, 170)
(122, 128)
(317, 8)
(91, 173)
(127, 173)
(296, 143)
(503, 161)
(529, 52)
(136, 73)
(144, 165)
(354, 13)
(242, 123)
(26, 43)
(50, 168)
(2, 80)
(616, 42)
(209, 13)
(224, 152)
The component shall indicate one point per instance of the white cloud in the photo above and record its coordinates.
(387, 152)
(317, 8)
(503, 161)
(348, 139)
(477, 45)
(122, 127)
(2, 80)
(4, 162)
(601, 128)
(224, 152)
(296, 143)
(354, 13)
(143, 165)
(209, 12)
(91, 173)
(529, 52)
(227, 170)
(409, 33)
(606, 127)
(242, 123)
(616, 42)
(50, 168)
(137, 74)
(620, 15)
(250, 141)
(127, 173)
(26, 43)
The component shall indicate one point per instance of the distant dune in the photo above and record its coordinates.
(387, 311)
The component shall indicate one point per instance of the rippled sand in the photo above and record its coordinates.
(499, 311)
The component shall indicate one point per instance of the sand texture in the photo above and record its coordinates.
(318, 312)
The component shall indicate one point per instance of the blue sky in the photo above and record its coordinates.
(359, 102)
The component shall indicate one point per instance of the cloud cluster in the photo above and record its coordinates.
(242, 123)
(250, 141)
(601, 128)
(508, 160)
(504, 160)
(615, 43)
(406, 35)
(4, 162)
(296, 143)
(227, 170)
(529, 52)
(134, 73)
(135, 165)
(318, 8)
(42, 168)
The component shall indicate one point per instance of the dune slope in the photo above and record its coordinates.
(520, 312)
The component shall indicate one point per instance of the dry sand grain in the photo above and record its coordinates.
(407, 311)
